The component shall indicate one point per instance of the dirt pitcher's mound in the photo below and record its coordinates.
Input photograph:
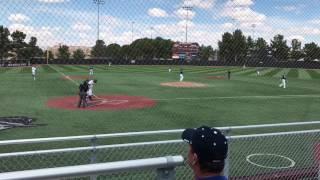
(184, 84)
(100, 103)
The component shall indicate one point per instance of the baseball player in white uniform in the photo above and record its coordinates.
(91, 71)
(34, 69)
(90, 88)
(181, 76)
(283, 82)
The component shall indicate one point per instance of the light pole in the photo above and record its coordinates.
(234, 21)
(98, 2)
(151, 31)
(253, 30)
(187, 7)
(132, 23)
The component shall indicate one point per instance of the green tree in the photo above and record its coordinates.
(18, 43)
(31, 49)
(250, 43)
(296, 51)
(280, 50)
(4, 42)
(312, 51)
(63, 52)
(162, 48)
(113, 51)
(239, 45)
(261, 44)
(48, 54)
(261, 49)
(226, 47)
(125, 51)
(79, 54)
(206, 52)
(99, 50)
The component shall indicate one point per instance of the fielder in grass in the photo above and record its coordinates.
(283, 82)
(34, 69)
(91, 70)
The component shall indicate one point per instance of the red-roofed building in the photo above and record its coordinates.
(185, 50)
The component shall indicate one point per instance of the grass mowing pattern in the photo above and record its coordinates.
(314, 74)
(273, 72)
(293, 73)
(177, 108)
(47, 69)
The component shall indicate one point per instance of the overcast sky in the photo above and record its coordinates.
(74, 22)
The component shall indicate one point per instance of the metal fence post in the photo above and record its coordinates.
(93, 157)
(226, 170)
(166, 174)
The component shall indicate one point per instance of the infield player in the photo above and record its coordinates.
(169, 69)
(283, 82)
(181, 76)
(34, 69)
(90, 88)
(91, 71)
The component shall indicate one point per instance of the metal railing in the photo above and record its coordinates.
(144, 133)
(164, 166)
(251, 155)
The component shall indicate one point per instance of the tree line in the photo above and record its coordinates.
(236, 47)
(233, 46)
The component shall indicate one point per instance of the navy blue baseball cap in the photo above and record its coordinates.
(209, 144)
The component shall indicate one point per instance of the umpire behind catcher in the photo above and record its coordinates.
(83, 88)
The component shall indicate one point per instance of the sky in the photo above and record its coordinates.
(74, 22)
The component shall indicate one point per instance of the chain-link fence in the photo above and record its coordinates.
(286, 155)
(233, 32)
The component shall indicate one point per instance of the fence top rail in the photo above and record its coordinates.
(115, 135)
(126, 145)
(95, 169)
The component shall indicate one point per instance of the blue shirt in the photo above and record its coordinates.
(213, 178)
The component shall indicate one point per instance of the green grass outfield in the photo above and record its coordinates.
(244, 100)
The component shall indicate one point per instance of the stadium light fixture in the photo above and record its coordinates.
(132, 23)
(188, 7)
(98, 3)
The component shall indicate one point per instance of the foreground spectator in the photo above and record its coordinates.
(207, 152)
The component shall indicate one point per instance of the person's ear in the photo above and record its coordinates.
(194, 159)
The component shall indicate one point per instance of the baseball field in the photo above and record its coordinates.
(144, 98)
(141, 98)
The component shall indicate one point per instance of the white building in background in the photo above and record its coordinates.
(72, 49)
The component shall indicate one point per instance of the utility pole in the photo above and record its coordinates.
(253, 30)
(151, 31)
(187, 6)
(98, 2)
(132, 23)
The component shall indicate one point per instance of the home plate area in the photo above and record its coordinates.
(102, 102)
